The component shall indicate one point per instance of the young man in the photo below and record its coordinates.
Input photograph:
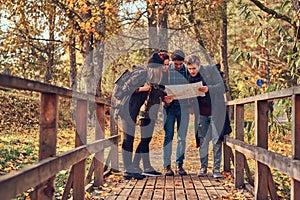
(176, 111)
(209, 111)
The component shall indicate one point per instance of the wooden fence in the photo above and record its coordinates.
(41, 175)
(265, 160)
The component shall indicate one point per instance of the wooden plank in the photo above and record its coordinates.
(25, 84)
(159, 188)
(178, 182)
(68, 185)
(80, 139)
(205, 181)
(169, 182)
(261, 140)
(212, 193)
(202, 194)
(158, 194)
(239, 135)
(150, 182)
(114, 148)
(147, 194)
(287, 165)
(179, 193)
(188, 182)
(189, 187)
(169, 187)
(47, 141)
(99, 134)
(140, 184)
(117, 190)
(124, 194)
(135, 194)
(160, 182)
(295, 185)
(197, 183)
(267, 96)
(31, 176)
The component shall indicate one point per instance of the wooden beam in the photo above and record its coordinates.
(287, 165)
(47, 141)
(99, 157)
(31, 176)
(239, 135)
(261, 140)
(114, 148)
(288, 92)
(80, 139)
(295, 186)
(69, 185)
(25, 84)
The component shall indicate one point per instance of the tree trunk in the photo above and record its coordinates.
(163, 27)
(73, 70)
(224, 54)
(99, 49)
(152, 28)
(50, 45)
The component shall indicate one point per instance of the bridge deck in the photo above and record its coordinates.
(167, 187)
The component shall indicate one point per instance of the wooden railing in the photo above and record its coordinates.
(265, 159)
(41, 175)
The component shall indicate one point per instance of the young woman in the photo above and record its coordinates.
(151, 94)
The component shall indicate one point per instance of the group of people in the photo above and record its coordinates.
(209, 111)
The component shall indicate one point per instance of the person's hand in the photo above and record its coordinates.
(191, 110)
(203, 89)
(145, 88)
(168, 100)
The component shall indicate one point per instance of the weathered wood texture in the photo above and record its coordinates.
(169, 187)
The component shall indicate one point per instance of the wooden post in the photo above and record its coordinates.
(226, 156)
(114, 147)
(261, 140)
(47, 141)
(295, 189)
(239, 135)
(99, 157)
(80, 139)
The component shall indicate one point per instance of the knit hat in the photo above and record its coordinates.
(155, 61)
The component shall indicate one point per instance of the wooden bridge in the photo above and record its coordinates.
(41, 175)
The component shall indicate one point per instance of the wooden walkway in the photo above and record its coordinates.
(188, 187)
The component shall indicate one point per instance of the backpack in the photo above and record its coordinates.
(125, 85)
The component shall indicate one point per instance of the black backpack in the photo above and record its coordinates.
(125, 85)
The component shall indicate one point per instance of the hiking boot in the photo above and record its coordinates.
(169, 171)
(202, 172)
(217, 173)
(181, 171)
(151, 172)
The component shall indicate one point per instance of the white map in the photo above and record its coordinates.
(184, 91)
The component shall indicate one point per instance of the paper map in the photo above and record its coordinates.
(185, 90)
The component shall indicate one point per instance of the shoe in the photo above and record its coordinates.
(217, 174)
(129, 175)
(181, 171)
(202, 172)
(151, 172)
(169, 171)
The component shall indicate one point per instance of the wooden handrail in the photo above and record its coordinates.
(25, 84)
(264, 159)
(288, 92)
(32, 175)
(41, 175)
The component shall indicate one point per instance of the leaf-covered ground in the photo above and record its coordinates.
(19, 131)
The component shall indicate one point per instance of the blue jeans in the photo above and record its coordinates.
(175, 113)
(207, 131)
